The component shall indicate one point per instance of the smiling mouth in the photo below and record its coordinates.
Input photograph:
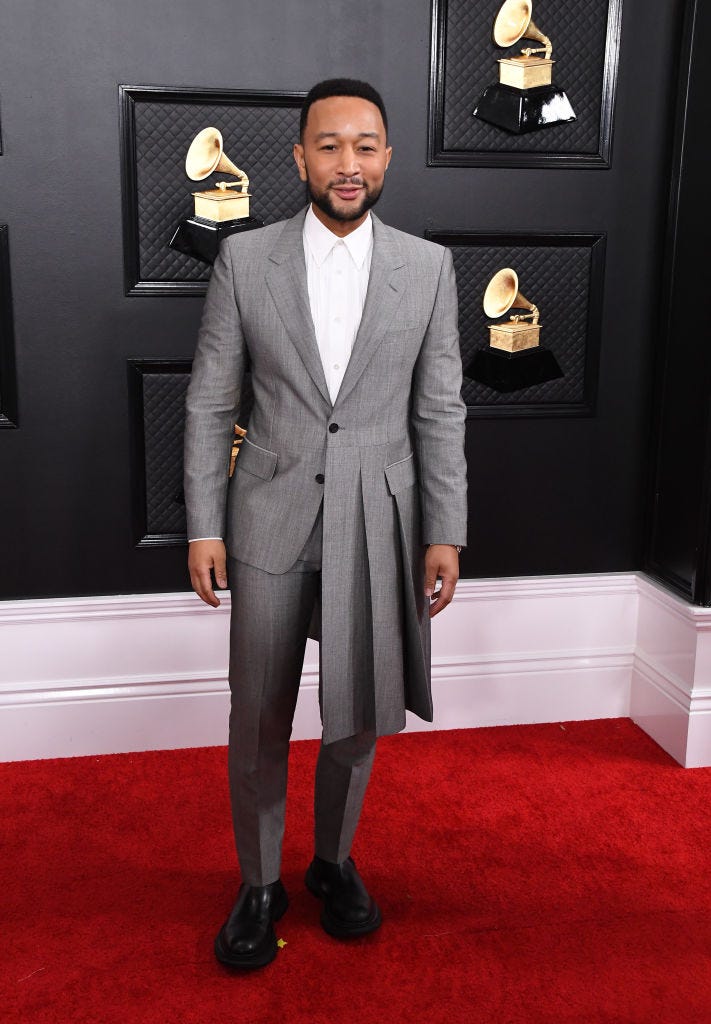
(347, 191)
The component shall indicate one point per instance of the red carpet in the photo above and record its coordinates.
(526, 875)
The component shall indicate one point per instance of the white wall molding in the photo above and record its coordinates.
(115, 688)
(670, 693)
(542, 587)
(136, 672)
(82, 609)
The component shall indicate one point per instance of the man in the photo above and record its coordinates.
(347, 504)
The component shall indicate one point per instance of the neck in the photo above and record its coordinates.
(338, 227)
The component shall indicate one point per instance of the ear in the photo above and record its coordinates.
(300, 162)
(388, 154)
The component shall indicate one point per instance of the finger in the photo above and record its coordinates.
(202, 585)
(221, 571)
(443, 596)
(430, 577)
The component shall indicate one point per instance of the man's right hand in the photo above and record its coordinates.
(204, 556)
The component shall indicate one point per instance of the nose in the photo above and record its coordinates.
(349, 162)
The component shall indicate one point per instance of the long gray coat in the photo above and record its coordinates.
(390, 450)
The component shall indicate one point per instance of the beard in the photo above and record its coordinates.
(323, 200)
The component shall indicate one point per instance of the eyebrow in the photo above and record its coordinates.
(361, 135)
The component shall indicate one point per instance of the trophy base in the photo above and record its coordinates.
(524, 110)
(201, 238)
(511, 371)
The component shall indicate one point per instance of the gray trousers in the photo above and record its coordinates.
(269, 628)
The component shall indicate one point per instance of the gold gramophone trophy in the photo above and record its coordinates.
(524, 99)
(219, 211)
(513, 358)
(500, 296)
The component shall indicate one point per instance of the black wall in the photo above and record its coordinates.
(547, 495)
(679, 551)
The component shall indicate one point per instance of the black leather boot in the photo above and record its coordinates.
(247, 937)
(348, 910)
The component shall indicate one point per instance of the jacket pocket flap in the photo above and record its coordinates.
(255, 460)
(401, 474)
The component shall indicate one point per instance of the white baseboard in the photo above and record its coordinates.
(104, 675)
(670, 695)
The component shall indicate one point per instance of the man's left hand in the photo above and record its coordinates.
(441, 562)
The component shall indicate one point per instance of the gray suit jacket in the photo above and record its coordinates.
(390, 453)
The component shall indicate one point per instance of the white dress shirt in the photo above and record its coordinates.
(337, 273)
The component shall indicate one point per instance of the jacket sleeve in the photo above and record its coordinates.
(438, 417)
(212, 403)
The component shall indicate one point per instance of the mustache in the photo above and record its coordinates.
(346, 181)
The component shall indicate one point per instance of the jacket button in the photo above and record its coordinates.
(333, 427)
(319, 478)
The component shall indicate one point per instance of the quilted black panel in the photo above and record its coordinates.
(8, 384)
(578, 30)
(258, 139)
(557, 278)
(163, 424)
(160, 407)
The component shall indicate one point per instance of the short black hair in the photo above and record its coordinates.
(341, 87)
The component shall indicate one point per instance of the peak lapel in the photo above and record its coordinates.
(384, 295)
(286, 281)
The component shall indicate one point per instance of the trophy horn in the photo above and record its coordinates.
(207, 154)
(513, 22)
(502, 293)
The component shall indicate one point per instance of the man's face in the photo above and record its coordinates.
(343, 157)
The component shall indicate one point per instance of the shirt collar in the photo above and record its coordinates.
(321, 241)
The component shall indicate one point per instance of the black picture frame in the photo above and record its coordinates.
(169, 448)
(439, 155)
(587, 382)
(8, 380)
(136, 283)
